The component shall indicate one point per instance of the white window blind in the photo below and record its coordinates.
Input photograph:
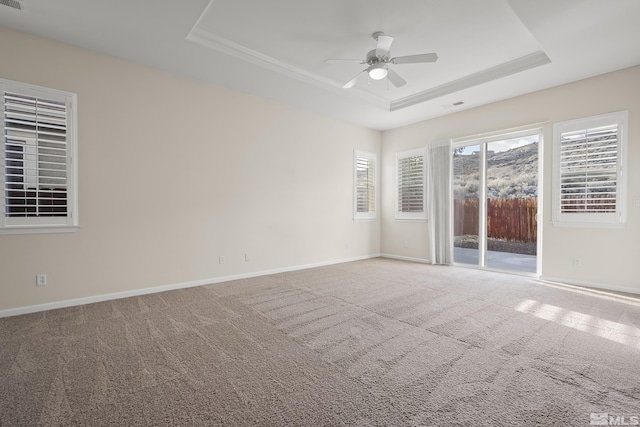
(589, 172)
(37, 178)
(365, 185)
(411, 181)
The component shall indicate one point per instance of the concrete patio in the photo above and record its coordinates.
(497, 260)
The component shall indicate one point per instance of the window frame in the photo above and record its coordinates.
(412, 216)
(615, 219)
(43, 224)
(370, 215)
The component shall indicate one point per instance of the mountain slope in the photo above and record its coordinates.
(511, 173)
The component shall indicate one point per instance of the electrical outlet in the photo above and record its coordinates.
(405, 244)
(577, 262)
(221, 259)
(246, 258)
(41, 279)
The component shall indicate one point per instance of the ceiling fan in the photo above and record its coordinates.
(378, 61)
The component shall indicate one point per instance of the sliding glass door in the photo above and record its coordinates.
(495, 203)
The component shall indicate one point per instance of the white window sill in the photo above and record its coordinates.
(411, 219)
(38, 229)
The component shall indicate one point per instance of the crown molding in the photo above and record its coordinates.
(236, 50)
(518, 65)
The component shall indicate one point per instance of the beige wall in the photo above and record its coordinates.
(610, 256)
(174, 173)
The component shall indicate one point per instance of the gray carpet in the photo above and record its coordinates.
(377, 342)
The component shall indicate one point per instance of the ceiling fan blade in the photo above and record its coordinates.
(384, 46)
(351, 83)
(415, 59)
(395, 78)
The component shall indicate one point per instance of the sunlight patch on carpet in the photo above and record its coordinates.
(603, 328)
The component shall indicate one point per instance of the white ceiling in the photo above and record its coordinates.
(488, 49)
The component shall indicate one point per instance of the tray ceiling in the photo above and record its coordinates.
(487, 50)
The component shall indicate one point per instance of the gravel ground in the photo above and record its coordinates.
(471, 242)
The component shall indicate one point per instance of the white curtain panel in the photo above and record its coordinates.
(439, 202)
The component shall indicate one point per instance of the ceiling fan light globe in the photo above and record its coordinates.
(378, 73)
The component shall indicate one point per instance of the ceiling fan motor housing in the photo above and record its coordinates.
(372, 58)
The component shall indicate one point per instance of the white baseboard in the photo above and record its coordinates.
(163, 288)
(591, 285)
(406, 258)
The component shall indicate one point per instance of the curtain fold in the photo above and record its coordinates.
(439, 203)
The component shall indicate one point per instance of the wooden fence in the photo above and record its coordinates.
(507, 219)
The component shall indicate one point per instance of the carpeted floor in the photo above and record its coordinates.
(376, 342)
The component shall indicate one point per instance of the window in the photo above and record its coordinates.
(411, 184)
(589, 171)
(38, 148)
(365, 185)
